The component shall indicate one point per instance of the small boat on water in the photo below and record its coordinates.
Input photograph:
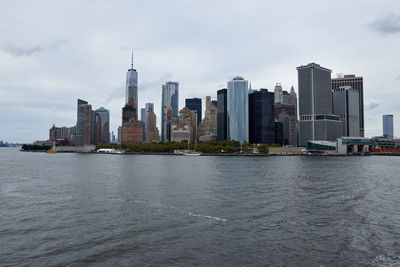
(192, 153)
(53, 149)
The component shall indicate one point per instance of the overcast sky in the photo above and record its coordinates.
(53, 52)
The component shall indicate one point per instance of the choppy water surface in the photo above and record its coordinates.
(77, 209)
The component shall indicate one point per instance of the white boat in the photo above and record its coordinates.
(192, 153)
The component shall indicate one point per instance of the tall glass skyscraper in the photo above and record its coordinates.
(195, 105)
(238, 109)
(169, 107)
(132, 86)
(104, 128)
(388, 126)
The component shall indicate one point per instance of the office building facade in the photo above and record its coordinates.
(388, 126)
(315, 105)
(222, 116)
(195, 105)
(262, 128)
(169, 108)
(132, 86)
(103, 126)
(207, 130)
(357, 83)
(238, 109)
(346, 106)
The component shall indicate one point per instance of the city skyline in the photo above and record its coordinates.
(87, 59)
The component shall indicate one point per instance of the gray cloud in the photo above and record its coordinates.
(389, 24)
(371, 105)
(17, 50)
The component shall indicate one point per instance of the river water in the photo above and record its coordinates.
(124, 210)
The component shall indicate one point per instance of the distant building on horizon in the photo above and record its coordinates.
(222, 116)
(315, 105)
(346, 106)
(356, 82)
(238, 109)
(169, 108)
(388, 126)
(195, 105)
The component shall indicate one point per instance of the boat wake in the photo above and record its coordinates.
(207, 216)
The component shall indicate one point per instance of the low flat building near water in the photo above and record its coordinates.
(286, 150)
(353, 145)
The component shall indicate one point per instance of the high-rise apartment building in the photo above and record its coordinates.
(195, 105)
(315, 105)
(346, 106)
(356, 82)
(132, 129)
(132, 86)
(169, 108)
(388, 126)
(222, 118)
(261, 117)
(238, 110)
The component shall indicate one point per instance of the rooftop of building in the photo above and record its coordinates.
(312, 65)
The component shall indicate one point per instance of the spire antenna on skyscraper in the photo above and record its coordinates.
(132, 61)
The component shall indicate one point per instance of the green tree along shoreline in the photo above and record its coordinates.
(227, 146)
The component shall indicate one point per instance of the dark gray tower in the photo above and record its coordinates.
(222, 119)
(315, 105)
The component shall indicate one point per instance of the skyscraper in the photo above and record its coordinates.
(85, 123)
(208, 127)
(286, 114)
(388, 126)
(149, 107)
(143, 117)
(278, 93)
(261, 117)
(293, 99)
(315, 105)
(132, 86)
(152, 134)
(169, 108)
(195, 105)
(103, 131)
(357, 84)
(238, 110)
(346, 106)
(222, 121)
(132, 129)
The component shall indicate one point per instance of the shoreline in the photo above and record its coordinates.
(224, 154)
